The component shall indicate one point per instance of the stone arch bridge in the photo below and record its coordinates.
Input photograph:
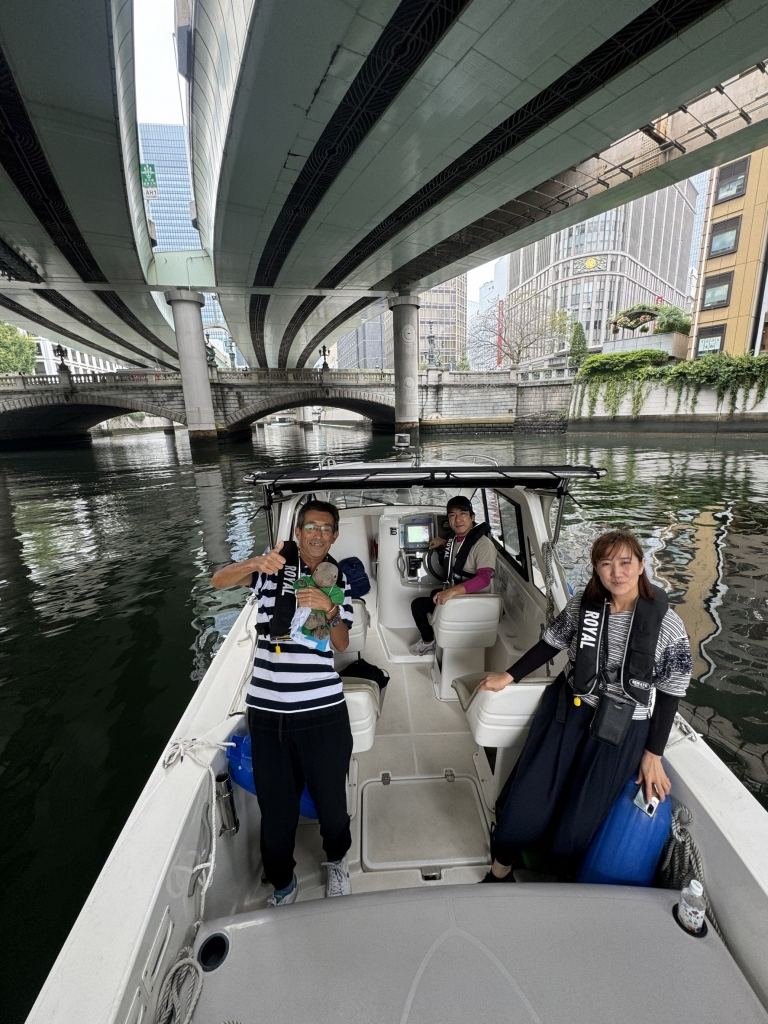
(37, 408)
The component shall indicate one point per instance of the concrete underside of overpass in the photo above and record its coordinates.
(342, 152)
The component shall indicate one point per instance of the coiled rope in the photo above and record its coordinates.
(548, 550)
(169, 1001)
(681, 860)
(185, 967)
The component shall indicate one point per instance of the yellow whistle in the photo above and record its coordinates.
(577, 701)
(277, 649)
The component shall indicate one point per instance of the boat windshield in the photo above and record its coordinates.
(414, 495)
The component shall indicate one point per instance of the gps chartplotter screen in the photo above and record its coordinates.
(417, 535)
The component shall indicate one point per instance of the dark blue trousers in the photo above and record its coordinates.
(563, 785)
(289, 750)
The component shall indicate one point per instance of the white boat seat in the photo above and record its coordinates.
(471, 621)
(358, 634)
(464, 628)
(501, 720)
(363, 699)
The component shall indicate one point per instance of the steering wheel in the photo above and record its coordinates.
(441, 571)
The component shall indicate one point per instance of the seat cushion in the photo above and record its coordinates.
(359, 632)
(470, 621)
(363, 699)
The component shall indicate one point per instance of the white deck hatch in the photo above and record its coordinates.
(407, 821)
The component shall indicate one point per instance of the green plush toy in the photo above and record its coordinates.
(323, 578)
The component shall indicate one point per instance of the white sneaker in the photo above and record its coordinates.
(338, 877)
(422, 647)
(280, 898)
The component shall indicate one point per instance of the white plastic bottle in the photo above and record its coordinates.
(692, 906)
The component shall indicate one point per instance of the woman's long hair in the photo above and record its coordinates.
(608, 544)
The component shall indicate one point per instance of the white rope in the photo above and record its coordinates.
(681, 859)
(185, 966)
(169, 1000)
(548, 550)
(177, 751)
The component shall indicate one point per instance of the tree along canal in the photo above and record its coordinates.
(107, 620)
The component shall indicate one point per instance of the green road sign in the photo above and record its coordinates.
(148, 176)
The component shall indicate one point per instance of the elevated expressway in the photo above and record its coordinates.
(346, 155)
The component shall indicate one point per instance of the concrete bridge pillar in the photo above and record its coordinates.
(405, 330)
(195, 382)
(168, 427)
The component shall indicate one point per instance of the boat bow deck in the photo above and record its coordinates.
(527, 953)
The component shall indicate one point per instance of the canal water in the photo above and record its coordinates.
(108, 622)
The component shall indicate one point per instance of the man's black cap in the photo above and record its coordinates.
(460, 502)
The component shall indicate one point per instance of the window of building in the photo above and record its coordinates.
(725, 237)
(717, 291)
(710, 339)
(732, 180)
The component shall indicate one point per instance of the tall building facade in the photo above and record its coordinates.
(442, 317)
(363, 348)
(79, 362)
(165, 147)
(730, 307)
(639, 252)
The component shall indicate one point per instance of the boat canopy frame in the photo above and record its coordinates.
(280, 483)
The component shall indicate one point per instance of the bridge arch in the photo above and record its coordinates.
(67, 415)
(377, 408)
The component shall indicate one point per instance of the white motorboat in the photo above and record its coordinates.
(418, 941)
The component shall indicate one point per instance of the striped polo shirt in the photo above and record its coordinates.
(299, 678)
(672, 662)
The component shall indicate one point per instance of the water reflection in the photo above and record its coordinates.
(107, 619)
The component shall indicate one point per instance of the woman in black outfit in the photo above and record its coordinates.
(630, 654)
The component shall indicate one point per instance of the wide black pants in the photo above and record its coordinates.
(289, 750)
(421, 607)
(563, 785)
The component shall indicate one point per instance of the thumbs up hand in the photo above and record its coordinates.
(272, 562)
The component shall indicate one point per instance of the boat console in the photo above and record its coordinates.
(416, 532)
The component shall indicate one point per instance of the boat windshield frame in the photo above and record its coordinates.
(282, 483)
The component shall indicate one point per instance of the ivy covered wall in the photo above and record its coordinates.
(738, 383)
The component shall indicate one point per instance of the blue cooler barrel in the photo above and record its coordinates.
(626, 848)
(241, 772)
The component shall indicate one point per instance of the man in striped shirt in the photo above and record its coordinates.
(297, 715)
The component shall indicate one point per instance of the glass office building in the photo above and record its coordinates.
(639, 252)
(165, 147)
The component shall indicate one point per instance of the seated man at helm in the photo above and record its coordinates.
(471, 561)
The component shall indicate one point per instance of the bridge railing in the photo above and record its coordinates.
(21, 380)
(562, 374)
(315, 377)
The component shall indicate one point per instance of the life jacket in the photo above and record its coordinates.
(279, 624)
(456, 572)
(635, 675)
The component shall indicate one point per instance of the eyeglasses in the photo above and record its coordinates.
(316, 528)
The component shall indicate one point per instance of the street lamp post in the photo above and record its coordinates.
(325, 352)
(60, 353)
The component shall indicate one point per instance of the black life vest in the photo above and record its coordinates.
(635, 675)
(279, 624)
(456, 573)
